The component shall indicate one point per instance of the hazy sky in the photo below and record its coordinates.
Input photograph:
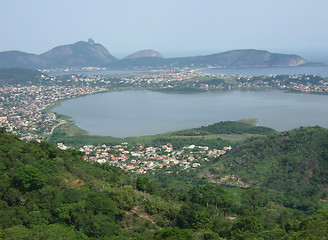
(172, 27)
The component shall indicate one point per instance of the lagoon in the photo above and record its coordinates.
(137, 113)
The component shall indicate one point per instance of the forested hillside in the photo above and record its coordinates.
(47, 193)
(292, 165)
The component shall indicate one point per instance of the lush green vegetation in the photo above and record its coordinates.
(47, 193)
(228, 127)
(291, 167)
(19, 76)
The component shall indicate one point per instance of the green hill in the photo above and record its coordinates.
(47, 193)
(247, 126)
(293, 165)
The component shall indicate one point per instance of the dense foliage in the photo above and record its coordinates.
(47, 193)
(227, 127)
(292, 166)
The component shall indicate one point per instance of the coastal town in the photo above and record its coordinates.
(25, 109)
(141, 158)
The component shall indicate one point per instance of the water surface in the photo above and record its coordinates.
(137, 113)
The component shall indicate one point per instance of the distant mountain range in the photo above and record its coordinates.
(91, 54)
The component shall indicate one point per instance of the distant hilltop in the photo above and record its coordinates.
(79, 54)
(91, 54)
(145, 53)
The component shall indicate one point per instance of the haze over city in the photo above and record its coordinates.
(174, 28)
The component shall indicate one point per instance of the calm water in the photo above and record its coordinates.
(316, 70)
(137, 113)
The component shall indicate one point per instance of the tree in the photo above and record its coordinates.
(34, 218)
(193, 216)
(252, 199)
(316, 226)
(28, 178)
(216, 196)
(13, 197)
(173, 233)
(126, 197)
(143, 184)
(247, 228)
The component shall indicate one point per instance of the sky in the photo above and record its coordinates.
(172, 27)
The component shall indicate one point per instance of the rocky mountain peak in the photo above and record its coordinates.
(90, 41)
